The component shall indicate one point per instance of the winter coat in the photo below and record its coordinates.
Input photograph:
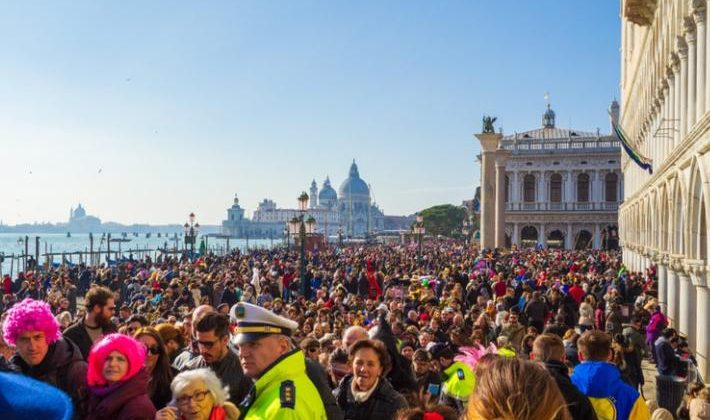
(318, 376)
(578, 405)
(515, 334)
(382, 404)
(536, 310)
(400, 375)
(62, 367)
(78, 335)
(123, 401)
(601, 383)
(655, 326)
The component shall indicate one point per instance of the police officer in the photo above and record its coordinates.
(458, 379)
(282, 389)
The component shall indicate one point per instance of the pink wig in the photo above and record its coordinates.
(31, 315)
(127, 346)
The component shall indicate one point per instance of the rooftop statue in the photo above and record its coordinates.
(488, 124)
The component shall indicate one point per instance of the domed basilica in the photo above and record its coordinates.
(350, 211)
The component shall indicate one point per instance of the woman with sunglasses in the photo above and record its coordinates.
(157, 365)
(118, 384)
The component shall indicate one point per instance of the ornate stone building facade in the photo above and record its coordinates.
(561, 187)
(665, 91)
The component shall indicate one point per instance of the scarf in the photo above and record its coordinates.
(362, 396)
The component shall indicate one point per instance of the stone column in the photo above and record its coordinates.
(692, 71)
(501, 160)
(683, 112)
(600, 186)
(516, 235)
(568, 237)
(662, 285)
(687, 313)
(668, 123)
(567, 179)
(707, 55)
(541, 190)
(515, 189)
(672, 303)
(675, 68)
(489, 145)
(699, 14)
(596, 242)
(541, 237)
(702, 331)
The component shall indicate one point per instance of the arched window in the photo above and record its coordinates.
(611, 180)
(556, 188)
(583, 188)
(529, 188)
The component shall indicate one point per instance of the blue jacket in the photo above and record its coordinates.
(611, 397)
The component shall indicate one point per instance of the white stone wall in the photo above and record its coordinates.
(664, 217)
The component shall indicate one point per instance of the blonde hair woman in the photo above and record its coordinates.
(515, 389)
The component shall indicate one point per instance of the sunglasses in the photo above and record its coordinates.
(153, 349)
(207, 344)
(313, 349)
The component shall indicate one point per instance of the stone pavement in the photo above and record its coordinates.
(649, 375)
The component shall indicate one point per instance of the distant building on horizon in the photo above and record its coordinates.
(79, 221)
(351, 211)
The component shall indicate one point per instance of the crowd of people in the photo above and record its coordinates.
(374, 331)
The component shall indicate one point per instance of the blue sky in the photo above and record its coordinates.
(147, 110)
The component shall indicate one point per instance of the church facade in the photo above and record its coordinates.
(350, 211)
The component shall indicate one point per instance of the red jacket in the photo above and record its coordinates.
(577, 293)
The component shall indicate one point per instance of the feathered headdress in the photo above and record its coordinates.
(472, 354)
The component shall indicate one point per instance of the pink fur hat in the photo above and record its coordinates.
(127, 346)
(31, 315)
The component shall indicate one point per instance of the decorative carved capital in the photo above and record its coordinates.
(699, 10)
(675, 262)
(689, 28)
(682, 47)
(640, 12)
(697, 271)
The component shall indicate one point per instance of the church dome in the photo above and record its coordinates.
(353, 184)
(79, 212)
(327, 193)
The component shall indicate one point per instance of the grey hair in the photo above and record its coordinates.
(214, 385)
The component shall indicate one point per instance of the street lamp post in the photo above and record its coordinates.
(465, 232)
(192, 228)
(302, 227)
(340, 237)
(302, 206)
(419, 231)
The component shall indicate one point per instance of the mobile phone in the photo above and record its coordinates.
(434, 389)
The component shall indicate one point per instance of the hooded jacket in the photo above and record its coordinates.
(62, 367)
(611, 397)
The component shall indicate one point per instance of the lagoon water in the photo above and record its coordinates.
(13, 244)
